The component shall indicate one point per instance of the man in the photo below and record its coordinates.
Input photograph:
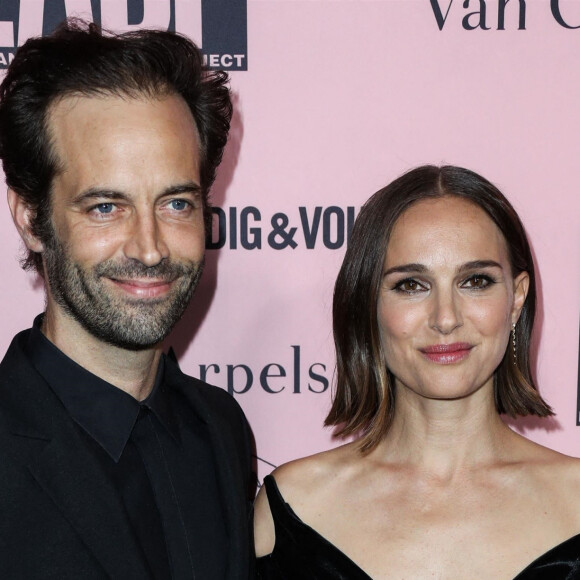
(114, 464)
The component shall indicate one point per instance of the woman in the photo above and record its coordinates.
(433, 311)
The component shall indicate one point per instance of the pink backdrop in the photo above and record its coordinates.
(340, 97)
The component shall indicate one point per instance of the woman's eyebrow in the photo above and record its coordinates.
(479, 265)
(421, 268)
(405, 269)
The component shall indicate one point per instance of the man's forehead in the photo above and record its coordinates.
(75, 116)
(124, 143)
(98, 103)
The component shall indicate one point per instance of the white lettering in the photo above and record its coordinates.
(188, 19)
(79, 8)
(6, 33)
(30, 20)
(223, 60)
(155, 15)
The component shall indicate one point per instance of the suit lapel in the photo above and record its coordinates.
(47, 444)
(230, 478)
(232, 493)
(91, 505)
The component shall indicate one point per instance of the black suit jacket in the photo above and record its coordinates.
(60, 517)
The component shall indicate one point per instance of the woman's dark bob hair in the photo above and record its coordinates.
(365, 395)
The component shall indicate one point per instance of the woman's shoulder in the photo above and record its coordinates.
(541, 458)
(302, 484)
(555, 474)
(305, 480)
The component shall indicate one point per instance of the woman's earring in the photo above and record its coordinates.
(514, 342)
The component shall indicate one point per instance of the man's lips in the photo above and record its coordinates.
(447, 353)
(143, 288)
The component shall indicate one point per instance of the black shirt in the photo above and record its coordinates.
(156, 453)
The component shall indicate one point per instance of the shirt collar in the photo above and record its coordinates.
(107, 413)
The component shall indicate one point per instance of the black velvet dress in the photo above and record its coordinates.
(301, 553)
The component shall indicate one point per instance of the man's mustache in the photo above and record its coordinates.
(166, 270)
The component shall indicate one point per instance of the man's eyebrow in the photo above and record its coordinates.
(98, 193)
(189, 187)
(114, 195)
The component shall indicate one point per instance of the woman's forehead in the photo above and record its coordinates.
(448, 230)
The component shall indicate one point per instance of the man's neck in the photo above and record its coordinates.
(133, 371)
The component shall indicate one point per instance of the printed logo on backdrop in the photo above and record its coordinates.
(293, 373)
(499, 14)
(248, 228)
(220, 26)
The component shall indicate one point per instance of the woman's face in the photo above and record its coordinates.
(447, 299)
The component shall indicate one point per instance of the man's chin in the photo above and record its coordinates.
(141, 326)
(128, 339)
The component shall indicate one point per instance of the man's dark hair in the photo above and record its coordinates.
(79, 59)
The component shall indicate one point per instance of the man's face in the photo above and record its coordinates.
(126, 251)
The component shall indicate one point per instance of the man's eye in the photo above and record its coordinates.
(104, 208)
(179, 204)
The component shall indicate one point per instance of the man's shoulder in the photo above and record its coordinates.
(223, 415)
(17, 369)
(206, 398)
(15, 353)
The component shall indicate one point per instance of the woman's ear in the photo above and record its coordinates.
(521, 287)
(23, 215)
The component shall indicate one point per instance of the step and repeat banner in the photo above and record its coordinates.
(333, 100)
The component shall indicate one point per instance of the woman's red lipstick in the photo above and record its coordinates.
(446, 354)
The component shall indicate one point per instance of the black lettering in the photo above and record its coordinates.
(233, 228)
(438, 14)
(219, 243)
(279, 238)
(310, 233)
(481, 12)
(266, 374)
(224, 29)
(318, 378)
(555, 7)
(256, 241)
(296, 356)
(203, 371)
(501, 15)
(326, 227)
(249, 379)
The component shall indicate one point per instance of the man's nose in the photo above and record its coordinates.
(145, 241)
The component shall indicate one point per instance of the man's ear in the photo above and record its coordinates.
(521, 286)
(23, 214)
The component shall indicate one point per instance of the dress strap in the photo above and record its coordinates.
(299, 550)
(278, 506)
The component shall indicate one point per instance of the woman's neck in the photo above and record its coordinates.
(443, 438)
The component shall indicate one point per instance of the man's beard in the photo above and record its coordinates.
(125, 322)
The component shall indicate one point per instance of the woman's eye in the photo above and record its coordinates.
(478, 282)
(409, 286)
